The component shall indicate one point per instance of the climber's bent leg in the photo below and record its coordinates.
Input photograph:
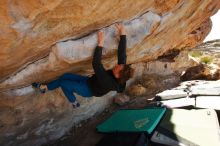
(54, 84)
(79, 87)
(73, 77)
(67, 76)
(70, 96)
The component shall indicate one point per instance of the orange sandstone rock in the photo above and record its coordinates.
(41, 40)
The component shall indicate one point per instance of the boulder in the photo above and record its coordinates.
(41, 40)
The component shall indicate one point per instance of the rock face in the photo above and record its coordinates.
(207, 55)
(200, 72)
(155, 76)
(40, 40)
(33, 119)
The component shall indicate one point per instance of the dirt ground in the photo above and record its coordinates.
(85, 133)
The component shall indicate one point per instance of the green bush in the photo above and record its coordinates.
(206, 59)
(196, 54)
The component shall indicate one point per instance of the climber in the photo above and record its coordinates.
(99, 83)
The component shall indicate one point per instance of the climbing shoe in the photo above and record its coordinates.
(37, 85)
(76, 104)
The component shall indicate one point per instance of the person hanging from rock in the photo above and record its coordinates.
(99, 83)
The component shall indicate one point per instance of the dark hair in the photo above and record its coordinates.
(125, 74)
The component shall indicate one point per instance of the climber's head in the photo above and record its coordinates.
(122, 72)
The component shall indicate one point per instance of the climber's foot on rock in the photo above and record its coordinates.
(42, 88)
(75, 104)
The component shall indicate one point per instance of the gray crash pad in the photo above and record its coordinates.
(171, 94)
(191, 127)
(211, 102)
(181, 102)
(208, 88)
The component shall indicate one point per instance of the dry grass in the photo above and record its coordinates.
(216, 45)
(196, 54)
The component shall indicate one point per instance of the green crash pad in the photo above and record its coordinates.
(197, 127)
(133, 120)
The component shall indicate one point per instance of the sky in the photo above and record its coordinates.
(215, 32)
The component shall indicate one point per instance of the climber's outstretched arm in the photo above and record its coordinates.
(122, 44)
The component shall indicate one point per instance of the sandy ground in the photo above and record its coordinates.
(85, 134)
